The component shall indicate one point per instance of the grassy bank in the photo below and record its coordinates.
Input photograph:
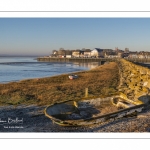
(100, 81)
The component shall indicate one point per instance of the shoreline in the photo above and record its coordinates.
(18, 80)
(57, 75)
(67, 73)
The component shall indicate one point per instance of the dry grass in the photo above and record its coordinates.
(100, 81)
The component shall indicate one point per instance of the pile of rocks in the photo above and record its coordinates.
(134, 81)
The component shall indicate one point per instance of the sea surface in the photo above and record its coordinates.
(20, 68)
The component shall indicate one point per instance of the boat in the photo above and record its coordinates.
(72, 76)
(89, 112)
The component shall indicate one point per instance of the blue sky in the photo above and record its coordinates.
(39, 36)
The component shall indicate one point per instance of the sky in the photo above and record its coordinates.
(39, 36)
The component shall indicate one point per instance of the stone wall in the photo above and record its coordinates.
(134, 81)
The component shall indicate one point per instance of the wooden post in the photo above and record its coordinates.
(86, 92)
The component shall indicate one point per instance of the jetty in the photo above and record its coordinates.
(63, 59)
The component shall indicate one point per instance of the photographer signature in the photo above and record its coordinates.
(10, 120)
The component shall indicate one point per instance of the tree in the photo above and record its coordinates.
(54, 51)
(61, 48)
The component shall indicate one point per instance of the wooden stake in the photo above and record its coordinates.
(86, 92)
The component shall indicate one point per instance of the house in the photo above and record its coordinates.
(54, 53)
(68, 53)
(76, 53)
(61, 53)
(87, 53)
(81, 54)
(112, 55)
(97, 52)
(125, 55)
(141, 56)
(133, 55)
(126, 50)
(144, 55)
(120, 54)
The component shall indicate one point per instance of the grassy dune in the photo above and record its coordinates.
(101, 81)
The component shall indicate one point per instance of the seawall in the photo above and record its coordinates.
(134, 81)
(56, 59)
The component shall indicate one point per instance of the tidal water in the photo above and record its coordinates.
(20, 68)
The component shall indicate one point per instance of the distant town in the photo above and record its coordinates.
(99, 53)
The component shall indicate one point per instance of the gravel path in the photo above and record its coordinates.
(32, 119)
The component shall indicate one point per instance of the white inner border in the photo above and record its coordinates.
(74, 5)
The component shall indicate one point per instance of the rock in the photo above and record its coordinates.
(143, 71)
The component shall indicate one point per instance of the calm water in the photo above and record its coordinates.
(18, 68)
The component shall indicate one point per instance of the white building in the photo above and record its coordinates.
(96, 52)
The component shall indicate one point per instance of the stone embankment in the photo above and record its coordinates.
(135, 81)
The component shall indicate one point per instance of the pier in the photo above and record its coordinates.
(101, 60)
(57, 59)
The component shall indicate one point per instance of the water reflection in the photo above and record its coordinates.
(89, 65)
